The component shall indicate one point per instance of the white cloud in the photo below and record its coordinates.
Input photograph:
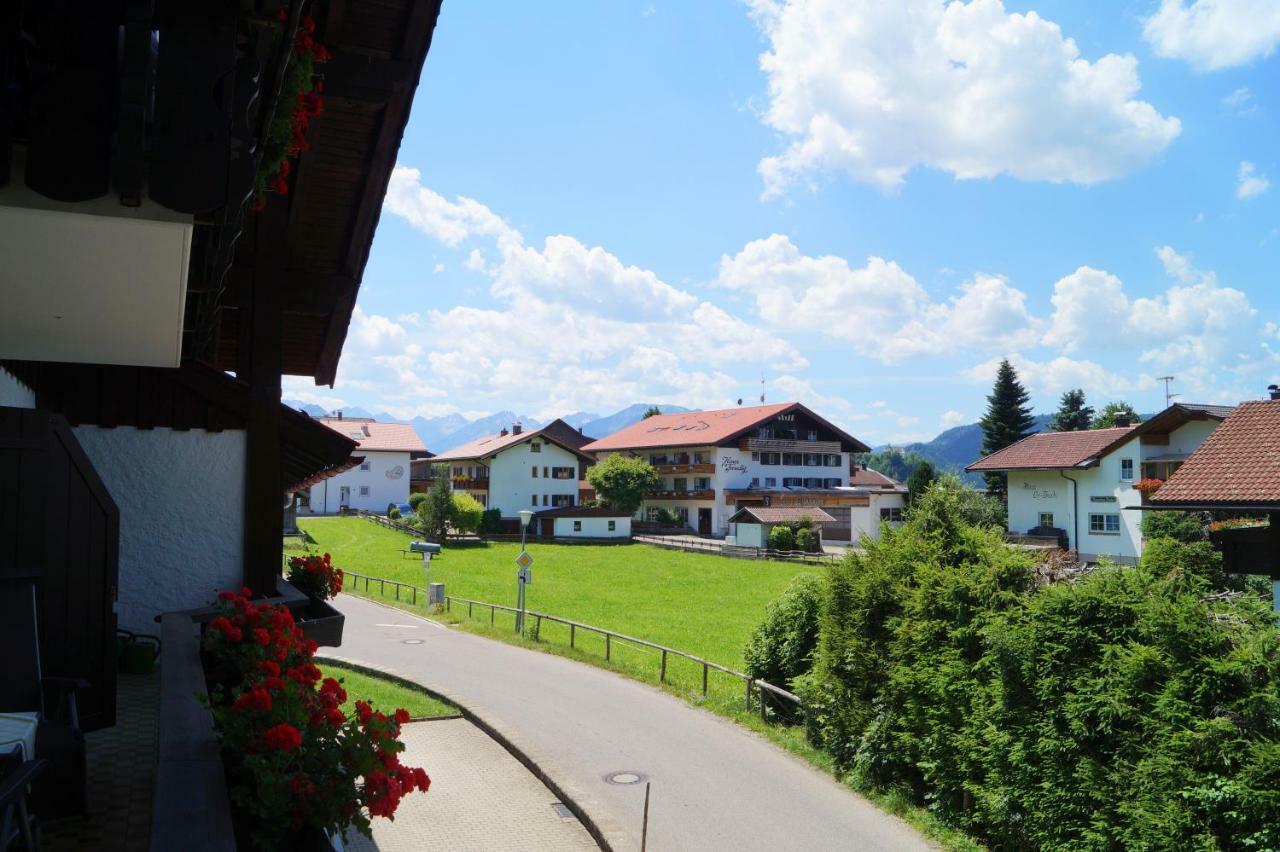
(574, 326)
(874, 89)
(1214, 34)
(952, 418)
(1241, 101)
(1250, 184)
(1055, 375)
(880, 309)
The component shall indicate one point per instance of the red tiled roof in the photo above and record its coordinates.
(865, 477)
(374, 436)
(701, 428)
(480, 448)
(1239, 463)
(782, 514)
(1053, 450)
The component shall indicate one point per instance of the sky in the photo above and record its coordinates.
(863, 204)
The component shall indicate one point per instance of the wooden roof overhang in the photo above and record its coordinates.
(194, 396)
(168, 101)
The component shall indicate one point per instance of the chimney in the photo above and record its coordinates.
(339, 414)
(580, 432)
(504, 433)
(516, 428)
(1122, 420)
(1274, 390)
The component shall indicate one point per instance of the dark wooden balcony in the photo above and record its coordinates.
(701, 494)
(669, 469)
(781, 445)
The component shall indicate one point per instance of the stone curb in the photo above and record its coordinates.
(607, 833)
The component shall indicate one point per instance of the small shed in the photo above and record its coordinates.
(583, 522)
(751, 525)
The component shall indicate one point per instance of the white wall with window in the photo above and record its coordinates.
(382, 479)
(593, 527)
(533, 474)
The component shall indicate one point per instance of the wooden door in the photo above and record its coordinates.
(60, 528)
(704, 522)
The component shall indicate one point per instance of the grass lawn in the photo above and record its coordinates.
(384, 694)
(703, 604)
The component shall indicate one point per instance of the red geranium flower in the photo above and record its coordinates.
(283, 737)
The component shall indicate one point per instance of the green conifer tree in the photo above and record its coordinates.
(1007, 421)
(1072, 414)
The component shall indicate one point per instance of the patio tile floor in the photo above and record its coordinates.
(122, 762)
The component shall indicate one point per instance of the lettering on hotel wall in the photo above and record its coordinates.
(1040, 493)
(728, 463)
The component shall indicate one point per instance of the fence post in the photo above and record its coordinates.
(704, 680)
(747, 703)
(493, 613)
(468, 609)
(572, 629)
(397, 592)
(415, 595)
(763, 716)
(537, 627)
(382, 588)
(607, 646)
(662, 677)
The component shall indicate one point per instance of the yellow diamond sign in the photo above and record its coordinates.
(524, 560)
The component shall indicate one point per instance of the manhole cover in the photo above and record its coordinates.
(625, 777)
(410, 641)
(562, 810)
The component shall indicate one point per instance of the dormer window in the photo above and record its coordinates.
(535, 447)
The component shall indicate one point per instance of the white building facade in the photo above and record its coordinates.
(714, 462)
(379, 480)
(1082, 483)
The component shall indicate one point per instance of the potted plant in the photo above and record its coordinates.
(300, 769)
(1147, 487)
(319, 579)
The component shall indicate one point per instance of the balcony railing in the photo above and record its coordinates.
(700, 494)
(783, 445)
(471, 483)
(685, 468)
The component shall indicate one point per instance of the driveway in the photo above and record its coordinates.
(715, 785)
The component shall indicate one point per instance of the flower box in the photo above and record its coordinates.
(321, 622)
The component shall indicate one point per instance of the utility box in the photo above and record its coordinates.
(435, 595)
(424, 547)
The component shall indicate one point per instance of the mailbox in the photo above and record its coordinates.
(424, 547)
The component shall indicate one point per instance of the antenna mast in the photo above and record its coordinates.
(1167, 396)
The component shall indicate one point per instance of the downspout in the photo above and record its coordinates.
(1075, 511)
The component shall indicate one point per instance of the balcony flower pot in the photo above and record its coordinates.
(321, 622)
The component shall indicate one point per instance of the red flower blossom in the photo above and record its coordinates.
(255, 699)
(402, 715)
(283, 737)
(269, 667)
(261, 636)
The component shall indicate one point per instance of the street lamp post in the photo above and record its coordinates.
(524, 576)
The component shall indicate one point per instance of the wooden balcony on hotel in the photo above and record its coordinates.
(669, 469)
(467, 483)
(780, 445)
(704, 494)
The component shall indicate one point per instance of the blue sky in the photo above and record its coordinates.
(867, 203)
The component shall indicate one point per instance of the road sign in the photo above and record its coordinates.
(524, 560)
(526, 576)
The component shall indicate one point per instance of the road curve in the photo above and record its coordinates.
(715, 784)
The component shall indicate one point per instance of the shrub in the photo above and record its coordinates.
(436, 511)
(1127, 708)
(467, 514)
(668, 518)
(782, 537)
(1180, 526)
(393, 513)
(622, 481)
(391, 507)
(415, 500)
(491, 521)
(808, 540)
(781, 647)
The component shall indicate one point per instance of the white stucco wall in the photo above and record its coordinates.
(512, 486)
(14, 394)
(387, 480)
(181, 501)
(593, 527)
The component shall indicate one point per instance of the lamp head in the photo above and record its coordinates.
(525, 517)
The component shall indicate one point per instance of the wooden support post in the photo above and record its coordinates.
(572, 627)
(607, 646)
(261, 361)
(704, 680)
(662, 676)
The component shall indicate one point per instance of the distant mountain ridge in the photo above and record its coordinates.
(956, 447)
(452, 430)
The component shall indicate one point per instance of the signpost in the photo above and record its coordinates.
(524, 576)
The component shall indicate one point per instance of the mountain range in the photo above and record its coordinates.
(952, 449)
(451, 430)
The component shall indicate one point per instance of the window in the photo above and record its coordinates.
(1046, 519)
(684, 515)
(364, 491)
(457, 471)
(770, 458)
(831, 460)
(813, 434)
(891, 515)
(831, 482)
(545, 500)
(1104, 524)
(613, 525)
(812, 459)
(562, 472)
(792, 482)
(701, 458)
(1126, 469)
(1159, 470)
(577, 526)
(770, 482)
(812, 482)
(561, 499)
(535, 447)
(544, 471)
(680, 483)
(655, 459)
(652, 514)
(755, 457)
(365, 465)
(755, 482)
(702, 483)
(534, 471)
(535, 499)
(796, 459)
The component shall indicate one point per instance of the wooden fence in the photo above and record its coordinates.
(738, 551)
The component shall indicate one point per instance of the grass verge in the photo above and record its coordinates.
(387, 694)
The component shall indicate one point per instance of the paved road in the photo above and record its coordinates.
(715, 785)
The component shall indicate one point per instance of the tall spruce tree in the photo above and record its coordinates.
(1072, 414)
(1007, 421)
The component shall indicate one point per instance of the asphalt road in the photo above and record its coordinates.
(715, 785)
